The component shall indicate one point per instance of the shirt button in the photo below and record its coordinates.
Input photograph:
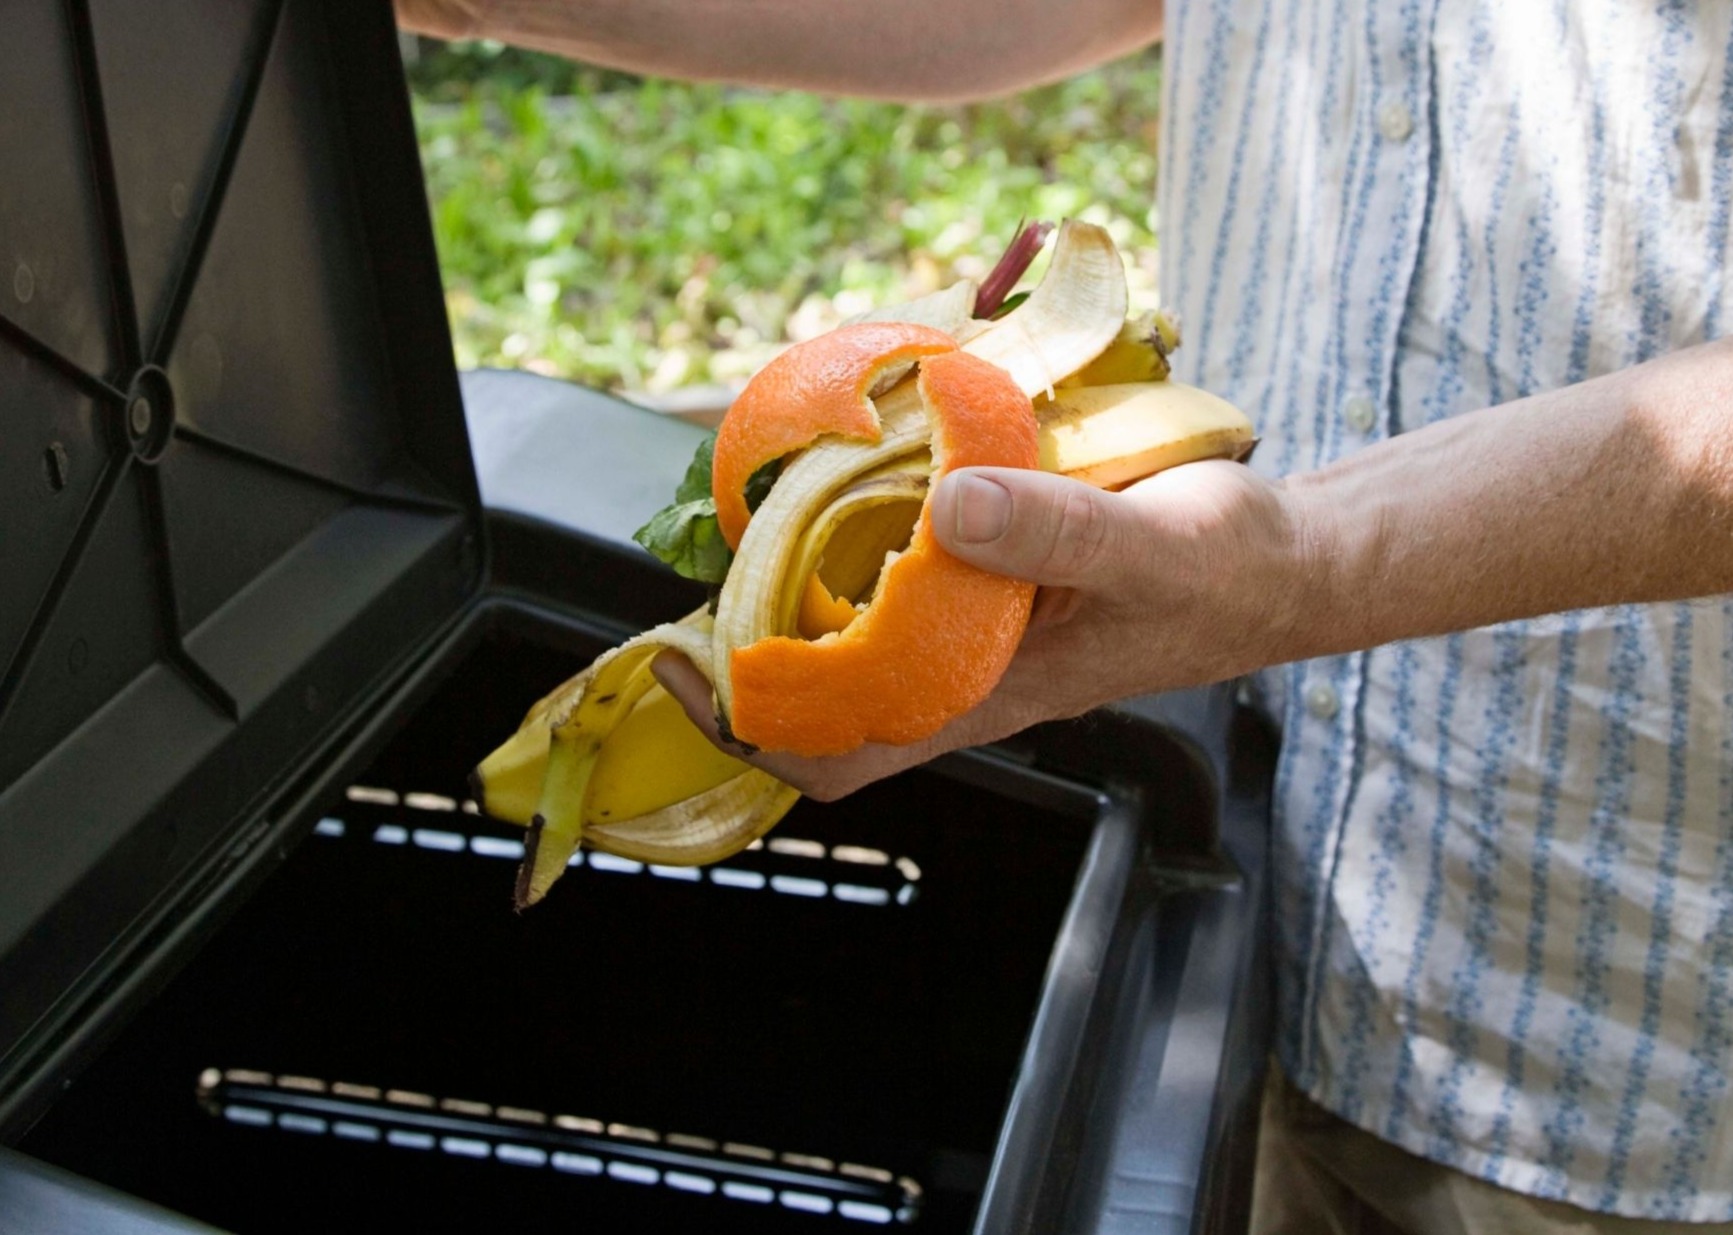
(1395, 121)
(1321, 700)
(1359, 412)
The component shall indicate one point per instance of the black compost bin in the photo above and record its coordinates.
(258, 967)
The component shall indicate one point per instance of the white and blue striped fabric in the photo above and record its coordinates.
(1505, 935)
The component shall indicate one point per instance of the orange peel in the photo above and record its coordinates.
(817, 387)
(938, 633)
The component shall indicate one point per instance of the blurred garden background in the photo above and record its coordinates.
(662, 240)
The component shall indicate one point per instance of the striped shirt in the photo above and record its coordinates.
(1505, 933)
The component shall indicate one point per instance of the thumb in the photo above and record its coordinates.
(1033, 525)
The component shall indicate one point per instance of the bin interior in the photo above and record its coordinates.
(817, 1034)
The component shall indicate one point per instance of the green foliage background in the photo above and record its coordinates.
(644, 235)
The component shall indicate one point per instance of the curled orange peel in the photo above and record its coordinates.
(938, 633)
(817, 387)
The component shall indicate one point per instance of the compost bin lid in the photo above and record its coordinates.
(236, 493)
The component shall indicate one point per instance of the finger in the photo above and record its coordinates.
(831, 777)
(680, 678)
(1036, 526)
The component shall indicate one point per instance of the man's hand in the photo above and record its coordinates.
(1191, 576)
(1616, 491)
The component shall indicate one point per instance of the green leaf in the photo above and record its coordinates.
(696, 483)
(758, 484)
(686, 536)
(685, 533)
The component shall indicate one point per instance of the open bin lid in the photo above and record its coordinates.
(236, 492)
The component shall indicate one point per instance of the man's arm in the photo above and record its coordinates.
(1617, 490)
(901, 49)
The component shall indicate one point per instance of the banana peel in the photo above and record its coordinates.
(608, 760)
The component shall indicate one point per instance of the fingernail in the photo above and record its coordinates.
(983, 509)
(660, 666)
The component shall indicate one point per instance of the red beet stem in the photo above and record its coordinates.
(1003, 277)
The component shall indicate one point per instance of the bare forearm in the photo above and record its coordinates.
(1618, 490)
(905, 49)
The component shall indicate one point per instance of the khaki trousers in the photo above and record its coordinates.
(1320, 1175)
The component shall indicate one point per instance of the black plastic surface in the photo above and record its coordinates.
(1136, 1102)
(1153, 975)
(243, 546)
(234, 476)
(868, 1012)
(539, 434)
